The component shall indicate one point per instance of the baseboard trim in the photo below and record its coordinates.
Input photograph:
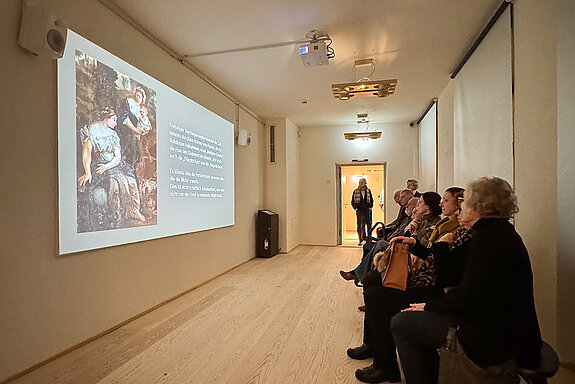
(94, 338)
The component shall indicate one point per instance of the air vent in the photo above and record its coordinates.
(272, 144)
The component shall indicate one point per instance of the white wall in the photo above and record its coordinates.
(51, 303)
(282, 182)
(292, 186)
(321, 148)
(565, 178)
(536, 149)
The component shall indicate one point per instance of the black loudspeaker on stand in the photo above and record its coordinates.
(267, 231)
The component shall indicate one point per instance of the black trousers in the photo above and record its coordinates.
(418, 335)
(381, 304)
(363, 217)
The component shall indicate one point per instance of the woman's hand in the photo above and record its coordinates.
(448, 237)
(84, 179)
(417, 307)
(403, 239)
(412, 227)
(101, 168)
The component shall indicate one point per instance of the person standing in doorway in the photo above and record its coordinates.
(362, 202)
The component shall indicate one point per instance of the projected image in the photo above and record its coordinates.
(137, 160)
(116, 146)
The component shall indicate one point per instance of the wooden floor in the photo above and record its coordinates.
(288, 319)
(349, 238)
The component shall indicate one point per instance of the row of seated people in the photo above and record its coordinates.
(476, 253)
(418, 217)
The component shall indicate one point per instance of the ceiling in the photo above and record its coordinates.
(418, 42)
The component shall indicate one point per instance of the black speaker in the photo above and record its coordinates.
(267, 231)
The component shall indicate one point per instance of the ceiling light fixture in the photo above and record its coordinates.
(373, 135)
(364, 87)
(362, 118)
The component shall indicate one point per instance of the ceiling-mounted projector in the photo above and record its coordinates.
(317, 50)
(314, 54)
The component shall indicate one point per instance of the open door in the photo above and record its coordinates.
(349, 176)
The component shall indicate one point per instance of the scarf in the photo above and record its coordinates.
(357, 196)
(461, 236)
(422, 272)
(441, 228)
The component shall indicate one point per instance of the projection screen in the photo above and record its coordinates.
(428, 150)
(136, 159)
(483, 113)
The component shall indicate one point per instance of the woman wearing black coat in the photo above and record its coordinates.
(492, 305)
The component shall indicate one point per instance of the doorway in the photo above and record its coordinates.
(349, 176)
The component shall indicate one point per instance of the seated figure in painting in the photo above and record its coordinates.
(112, 190)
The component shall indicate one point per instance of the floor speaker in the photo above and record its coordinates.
(267, 232)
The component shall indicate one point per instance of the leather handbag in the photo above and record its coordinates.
(456, 368)
(393, 264)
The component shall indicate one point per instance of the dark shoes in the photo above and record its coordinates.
(359, 353)
(348, 275)
(373, 374)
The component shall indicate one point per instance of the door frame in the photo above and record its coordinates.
(338, 167)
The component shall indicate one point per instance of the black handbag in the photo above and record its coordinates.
(456, 368)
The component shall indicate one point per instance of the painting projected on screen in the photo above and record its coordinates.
(137, 160)
(116, 148)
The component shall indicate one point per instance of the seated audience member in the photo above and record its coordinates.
(383, 303)
(412, 185)
(449, 207)
(492, 306)
(364, 266)
(401, 228)
(404, 196)
(396, 198)
(427, 213)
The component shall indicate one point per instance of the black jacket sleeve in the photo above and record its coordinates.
(449, 264)
(420, 250)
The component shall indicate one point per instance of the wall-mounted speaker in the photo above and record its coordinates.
(41, 33)
(244, 137)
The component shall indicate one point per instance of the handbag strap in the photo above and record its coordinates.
(388, 262)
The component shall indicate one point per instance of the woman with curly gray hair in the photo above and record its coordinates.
(492, 305)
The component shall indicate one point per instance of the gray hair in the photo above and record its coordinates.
(492, 197)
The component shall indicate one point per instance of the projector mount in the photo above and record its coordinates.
(313, 36)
